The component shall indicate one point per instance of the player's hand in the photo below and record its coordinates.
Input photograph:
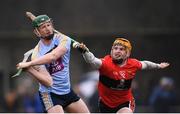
(82, 48)
(23, 65)
(164, 65)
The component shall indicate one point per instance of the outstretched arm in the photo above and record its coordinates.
(152, 65)
(91, 59)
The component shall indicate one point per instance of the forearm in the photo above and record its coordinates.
(49, 57)
(91, 59)
(43, 78)
(149, 65)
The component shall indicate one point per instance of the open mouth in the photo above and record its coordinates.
(48, 34)
(117, 56)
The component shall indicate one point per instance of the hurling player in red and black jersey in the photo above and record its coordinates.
(117, 71)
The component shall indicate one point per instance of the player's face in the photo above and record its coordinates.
(46, 29)
(118, 52)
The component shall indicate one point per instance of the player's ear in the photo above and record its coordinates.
(52, 24)
(111, 50)
(128, 54)
(36, 32)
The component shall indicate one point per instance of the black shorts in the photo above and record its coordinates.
(103, 108)
(50, 99)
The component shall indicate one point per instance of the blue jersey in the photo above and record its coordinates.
(59, 69)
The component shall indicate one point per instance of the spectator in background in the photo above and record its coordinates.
(163, 96)
(87, 89)
(29, 95)
(22, 97)
(11, 102)
(32, 103)
(136, 92)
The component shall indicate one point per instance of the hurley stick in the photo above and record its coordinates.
(26, 56)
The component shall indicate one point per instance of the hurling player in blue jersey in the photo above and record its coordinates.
(52, 55)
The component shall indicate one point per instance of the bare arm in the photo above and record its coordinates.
(152, 65)
(90, 58)
(41, 74)
(48, 58)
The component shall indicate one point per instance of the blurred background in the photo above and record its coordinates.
(152, 26)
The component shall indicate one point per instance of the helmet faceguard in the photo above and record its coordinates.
(125, 43)
(39, 20)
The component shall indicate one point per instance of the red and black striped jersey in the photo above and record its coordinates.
(113, 72)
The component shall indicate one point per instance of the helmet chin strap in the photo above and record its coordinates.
(118, 61)
(48, 37)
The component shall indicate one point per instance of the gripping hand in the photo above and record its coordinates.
(82, 48)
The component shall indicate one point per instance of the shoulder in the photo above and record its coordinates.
(106, 58)
(134, 62)
(35, 52)
(60, 37)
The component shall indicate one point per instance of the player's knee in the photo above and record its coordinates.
(125, 110)
(56, 109)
